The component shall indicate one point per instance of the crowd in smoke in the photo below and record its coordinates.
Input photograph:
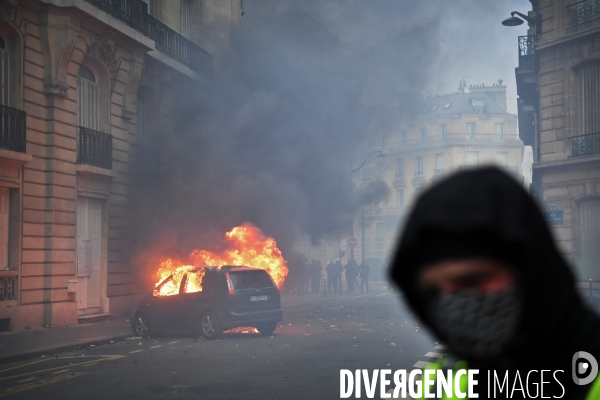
(274, 141)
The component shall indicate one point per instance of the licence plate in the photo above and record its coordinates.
(259, 298)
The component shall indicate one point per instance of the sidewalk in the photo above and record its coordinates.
(31, 343)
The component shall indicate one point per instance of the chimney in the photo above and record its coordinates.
(497, 92)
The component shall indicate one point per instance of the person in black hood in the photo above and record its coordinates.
(478, 264)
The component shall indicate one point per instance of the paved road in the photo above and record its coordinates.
(301, 360)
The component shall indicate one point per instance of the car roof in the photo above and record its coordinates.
(232, 268)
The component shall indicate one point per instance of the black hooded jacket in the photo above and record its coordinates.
(485, 213)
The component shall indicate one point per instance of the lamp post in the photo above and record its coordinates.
(535, 23)
(353, 171)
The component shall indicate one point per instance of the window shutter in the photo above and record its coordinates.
(589, 103)
(142, 123)
(5, 77)
(88, 96)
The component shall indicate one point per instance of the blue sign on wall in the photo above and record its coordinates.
(554, 216)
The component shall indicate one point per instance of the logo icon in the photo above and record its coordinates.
(584, 364)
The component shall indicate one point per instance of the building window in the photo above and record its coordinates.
(4, 73)
(423, 134)
(478, 104)
(470, 130)
(502, 158)
(589, 99)
(185, 18)
(472, 158)
(419, 166)
(88, 96)
(400, 168)
(439, 163)
(400, 197)
(403, 136)
(498, 131)
(443, 130)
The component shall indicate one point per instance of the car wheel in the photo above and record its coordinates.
(140, 325)
(210, 328)
(267, 329)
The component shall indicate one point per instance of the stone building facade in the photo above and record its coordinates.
(558, 82)
(88, 88)
(450, 132)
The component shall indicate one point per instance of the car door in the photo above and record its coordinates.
(165, 310)
(194, 301)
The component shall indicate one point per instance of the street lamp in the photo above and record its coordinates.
(516, 21)
(353, 171)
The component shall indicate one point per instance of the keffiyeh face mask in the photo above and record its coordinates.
(477, 324)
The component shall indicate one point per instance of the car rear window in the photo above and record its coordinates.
(250, 279)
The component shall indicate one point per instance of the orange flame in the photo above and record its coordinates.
(248, 246)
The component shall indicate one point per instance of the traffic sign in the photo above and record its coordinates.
(352, 242)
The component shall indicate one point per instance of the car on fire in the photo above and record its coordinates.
(229, 297)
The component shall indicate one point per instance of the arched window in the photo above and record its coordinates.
(88, 96)
(4, 72)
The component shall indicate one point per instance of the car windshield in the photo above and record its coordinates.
(250, 279)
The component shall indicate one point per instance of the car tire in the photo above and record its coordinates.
(267, 329)
(209, 328)
(140, 325)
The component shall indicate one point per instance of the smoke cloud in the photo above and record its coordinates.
(291, 112)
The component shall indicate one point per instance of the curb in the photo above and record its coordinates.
(52, 350)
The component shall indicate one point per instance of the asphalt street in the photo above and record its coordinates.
(300, 360)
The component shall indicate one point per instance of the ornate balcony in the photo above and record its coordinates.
(135, 14)
(584, 14)
(12, 129)
(583, 145)
(94, 148)
(526, 49)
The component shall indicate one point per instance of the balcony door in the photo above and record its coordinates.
(89, 255)
(4, 73)
(4, 228)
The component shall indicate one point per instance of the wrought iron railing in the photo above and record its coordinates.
(94, 148)
(455, 138)
(419, 173)
(439, 171)
(135, 14)
(399, 174)
(585, 144)
(178, 47)
(8, 287)
(526, 49)
(131, 12)
(584, 14)
(12, 129)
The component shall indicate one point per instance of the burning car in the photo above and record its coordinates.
(210, 300)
